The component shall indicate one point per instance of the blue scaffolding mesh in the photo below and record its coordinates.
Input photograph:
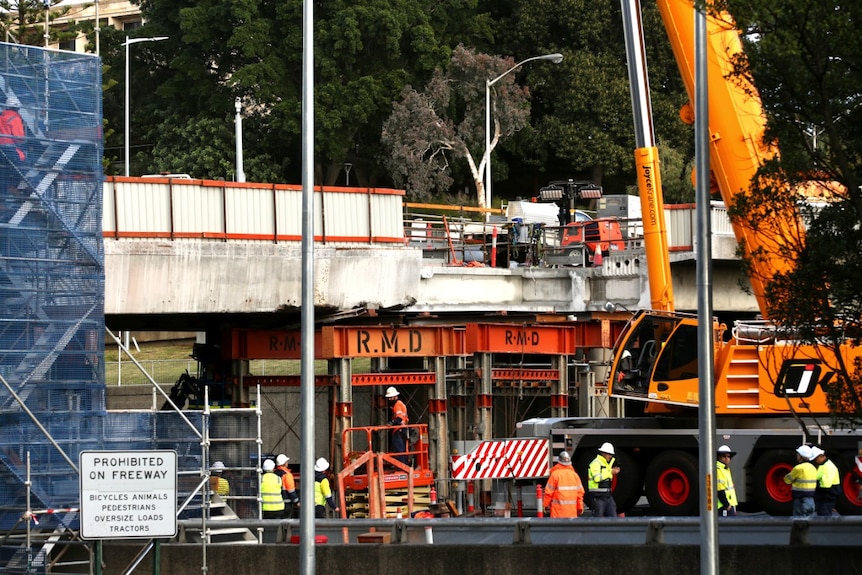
(52, 276)
(51, 273)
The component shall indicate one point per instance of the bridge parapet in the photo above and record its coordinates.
(183, 208)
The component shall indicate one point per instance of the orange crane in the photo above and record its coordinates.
(770, 388)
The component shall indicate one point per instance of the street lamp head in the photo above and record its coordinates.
(143, 39)
(555, 58)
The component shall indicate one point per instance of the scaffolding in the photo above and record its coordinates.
(52, 329)
(51, 275)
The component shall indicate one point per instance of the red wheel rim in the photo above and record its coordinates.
(851, 489)
(673, 486)
(774, 483)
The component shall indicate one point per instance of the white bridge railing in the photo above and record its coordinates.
(184, 209)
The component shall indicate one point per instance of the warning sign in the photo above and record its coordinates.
(128, 494)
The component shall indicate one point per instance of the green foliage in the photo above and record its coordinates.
(23, 21)
(676, 170)
(582, 109)
(806, 61)
(365, 53)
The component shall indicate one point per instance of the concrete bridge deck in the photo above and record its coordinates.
(192, 254)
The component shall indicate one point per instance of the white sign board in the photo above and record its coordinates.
(128, 494)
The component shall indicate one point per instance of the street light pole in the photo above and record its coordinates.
(556, 58)
(127, 43)
(240, 172)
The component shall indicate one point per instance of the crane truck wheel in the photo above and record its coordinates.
(627, 485)
(850, 499)
(671, 483)
(770, 492)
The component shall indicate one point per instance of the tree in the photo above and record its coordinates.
(448, 119)
(252, 49)
(582, 116)
(804, 58)
(23, 21)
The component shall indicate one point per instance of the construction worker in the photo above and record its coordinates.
(828, 483)
(322, 492)
(218, 484)
(11, 140)
(272, 504)
(564, 492)
(724, 482)
(288, 485)
(400, 419)
(602, 471)
(803, 481)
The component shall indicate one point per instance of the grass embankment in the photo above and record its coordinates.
(165, 361)
(153, 350)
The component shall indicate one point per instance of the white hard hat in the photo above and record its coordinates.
(626, 353)
(321, 464)
(391, 392)
(565, 458)
(606, 447)
(281, 459)
(816, 452)
(217, 467)
(268, 465)
(12, 101)
(724, 449)
(804, 451)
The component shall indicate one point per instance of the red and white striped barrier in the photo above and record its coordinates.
(504, 458)
(33, 514)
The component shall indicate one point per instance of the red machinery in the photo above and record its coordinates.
(375, 483)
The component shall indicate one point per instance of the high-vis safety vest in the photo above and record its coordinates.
(802, 480)
(828, 477)
(601, 474)
(564, 492)
(270, 492)
(724, 482)
(399, 413)
(220, 485)
(322, 491)
(12, 131)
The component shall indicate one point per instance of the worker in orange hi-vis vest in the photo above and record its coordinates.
(564, 492)
(288, 485)
(398, 418)
(11, 141)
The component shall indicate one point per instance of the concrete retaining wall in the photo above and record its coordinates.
(375, 559)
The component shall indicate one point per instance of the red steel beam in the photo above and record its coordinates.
(287, 380)
(548, 339)
(382, 341)
(265, 344)
(401, 378)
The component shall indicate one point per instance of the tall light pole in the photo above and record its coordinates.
(556, 58)
(127, 43)
(240, 172)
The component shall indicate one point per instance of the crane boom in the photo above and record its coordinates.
(647, 162)
(760, 369)
(737, 149)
